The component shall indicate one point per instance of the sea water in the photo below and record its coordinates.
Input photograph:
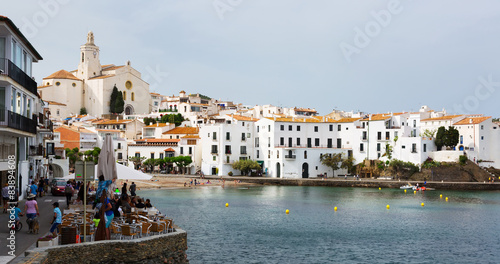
(254, 228)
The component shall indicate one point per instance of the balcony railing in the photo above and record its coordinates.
(36, 151)
(17, 121)
(290, 156)
(8, 68)
(305, 146)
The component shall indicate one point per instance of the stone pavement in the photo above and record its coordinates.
(23, 240)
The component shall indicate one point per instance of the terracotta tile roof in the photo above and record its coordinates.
(158, 140)
(302, 120)
(112, 68)
(191, 136)
(199, 104)
(109, 130)
(62, 74)
(44, 86)
(53, 103)
(75, 129)
(102, 77)
(111, 122)
(347, 120)
(157, 125)
(304, 110)
(155, 93)
(169, 150)
(377, 117)
(182, 130)
(244, 118)
(442, 118)
(472, 120)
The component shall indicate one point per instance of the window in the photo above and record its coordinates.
(119, 145)
(161, 155)
(132, 97)
(268, 142)
(361, 147)
(243, 150)
(277, 154)
(258, 153)
(124, 95)
(243, 138)
(395, 134)
(258, 129)
(425, 147)
(182, 150)
(339, 143)
(414, 123)
(289, 127)
(339, 127)
(190, 150)
(120, 155)
(269, 128)
(379, 135)
(329, 143)
(364, 135)
(331, 128)
(137, 154)
(298, 142)
(378, 146)
(282, 127)
(227, 159)
(282, 141)
(242, 123)
(461, 139)
(482, 137)
(152, 155)
(214, 149)
(482, 127)
(387, 136)
(316, 142)
(309, 142)
(315, 128)
(257, 142)
(298, 128)
(228, 149)
(268, 154)
(191, 141)
(414, 148)
(305, 154)
(214, 135)
(214, 158)
(228, 136)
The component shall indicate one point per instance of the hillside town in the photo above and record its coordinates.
(66, 116)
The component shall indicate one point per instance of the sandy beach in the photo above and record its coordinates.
(179, 181)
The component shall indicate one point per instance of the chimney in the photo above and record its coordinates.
(470, 121)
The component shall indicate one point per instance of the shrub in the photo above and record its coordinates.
(462, 159)
(230, 173)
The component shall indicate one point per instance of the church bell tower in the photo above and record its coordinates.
(89, 65)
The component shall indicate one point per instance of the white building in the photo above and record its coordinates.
(91, 85)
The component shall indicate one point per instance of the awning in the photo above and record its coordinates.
(261, 162)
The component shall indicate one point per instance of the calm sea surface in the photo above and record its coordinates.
(255, 229)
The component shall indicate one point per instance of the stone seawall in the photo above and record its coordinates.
(337, 182)
(165, 248)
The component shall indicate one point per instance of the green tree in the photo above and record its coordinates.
(440, 137)
(452, 137)
(148, 121)
(428, 133)
(388, 151)
(245, 166)
(347, 163)
(73, 155)
(137, 161)
(333, 161)
(119, 103)
(92, 155)
(112, 100)
(83, 111)
(182, 161)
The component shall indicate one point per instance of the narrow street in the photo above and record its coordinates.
(22, 238)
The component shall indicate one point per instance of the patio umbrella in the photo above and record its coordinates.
(123, 173)
(107, 168)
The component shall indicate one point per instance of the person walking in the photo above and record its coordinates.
(5, 197)
(68, 191)
(40, 188)
(124, 190)
(132, 189)
(57, 220)
(33, 188)
(31, 211)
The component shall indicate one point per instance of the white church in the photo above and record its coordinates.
(91, 85)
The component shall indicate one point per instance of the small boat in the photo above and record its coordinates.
(407, 186)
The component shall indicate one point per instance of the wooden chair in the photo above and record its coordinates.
(115, 230)
(145, 228)
(127, 231)
(157, 227)
(88, 231)
(169, 225)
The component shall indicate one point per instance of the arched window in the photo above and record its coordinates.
(305, 154)
(132, 96)
(124, 95)
(83, 57)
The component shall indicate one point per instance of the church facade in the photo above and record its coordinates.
(90, 87)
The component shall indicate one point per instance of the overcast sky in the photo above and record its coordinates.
(372, 56)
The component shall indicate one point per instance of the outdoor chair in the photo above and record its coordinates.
(168, 225)
(157, 227)
(115, 231)
(127, 231)
(88, 231)
(145, 228)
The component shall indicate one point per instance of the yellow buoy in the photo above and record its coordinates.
(441, 196)
(405, 190)
(335, 208)
(388, 206)
(422, 204)
(447, 199)
(287, 211)
(414, 192)
(379, 188)
(227, 205)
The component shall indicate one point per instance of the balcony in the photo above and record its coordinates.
(36, 151)
(17, 121)
(8, 68)
(290, 156)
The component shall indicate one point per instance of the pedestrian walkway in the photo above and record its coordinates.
(23, 240)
